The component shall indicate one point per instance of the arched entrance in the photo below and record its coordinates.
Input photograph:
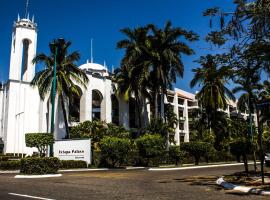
(74, 107)
(96, 104)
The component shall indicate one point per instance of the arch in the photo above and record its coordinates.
(74, 107)
(25, 57)
(115, 109)
(97, 99)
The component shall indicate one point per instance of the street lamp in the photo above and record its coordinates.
(54, 49)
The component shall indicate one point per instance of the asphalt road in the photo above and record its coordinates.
(124, 184)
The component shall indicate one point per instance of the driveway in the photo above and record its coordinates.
(124, 184)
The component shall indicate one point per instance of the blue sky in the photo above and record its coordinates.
(81, 20)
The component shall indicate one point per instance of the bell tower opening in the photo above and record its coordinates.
(24, 59)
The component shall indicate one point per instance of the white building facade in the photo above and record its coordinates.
(22, 111)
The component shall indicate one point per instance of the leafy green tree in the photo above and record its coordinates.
(41, 141)
(69, 78)
(131, 77)
(212, 76)
(164, 54)
(96, 130)
(196, 149)
(176, 154)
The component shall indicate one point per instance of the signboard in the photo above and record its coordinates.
(73, 150)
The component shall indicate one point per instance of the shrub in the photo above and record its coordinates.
(150, 148)
(39, 140)
(114, 150)
(42, 165)
(240, 148)
(196, 149)
(96, 130)
(4, 158)
(70, 164)
(176, 154)
(10, 165)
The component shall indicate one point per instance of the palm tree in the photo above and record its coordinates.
(164, 54)
(213, 94)
(68, 76)
(131, 78)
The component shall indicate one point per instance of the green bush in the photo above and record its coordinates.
(196, 149)
(10, 165)
(240, 148)
(4, 158)
(96, 130)
(39, 140)
(71, 164)
(42, 165)
(115, 150)
(176, 154)
(150, 148)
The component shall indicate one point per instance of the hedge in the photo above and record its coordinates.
(10, 165)
(71, 164)
(196, 149)
(42, 165)
(115, 151)
(151, 149)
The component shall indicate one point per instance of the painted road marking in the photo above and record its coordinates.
(28, 196)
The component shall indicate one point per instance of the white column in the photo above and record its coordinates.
(175, 109)
(186, 124)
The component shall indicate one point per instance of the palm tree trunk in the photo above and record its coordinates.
(138, 108)
(64, 114)
(156, 104)
(162, 106)
(260, 131)
(251, 132)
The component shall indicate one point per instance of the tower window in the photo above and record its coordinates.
(24, 59)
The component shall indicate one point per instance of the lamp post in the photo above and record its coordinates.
(54, 50)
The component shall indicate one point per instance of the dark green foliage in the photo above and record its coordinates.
(115, 150)
(10, 165)
(40, 166)
(69, 78)
(39, 140)
(196, 149)
(4, 158)
(69, 164)
(96, 130)
(150, 147)
(176, 154)
(241, 148)
(157, 126)
(216, 38)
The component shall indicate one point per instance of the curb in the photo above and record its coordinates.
(230, 186)
(10, 172)
(82, 170)
(38, 176)
(131, 168)
(194, 167)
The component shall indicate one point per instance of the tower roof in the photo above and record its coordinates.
(26, 23)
